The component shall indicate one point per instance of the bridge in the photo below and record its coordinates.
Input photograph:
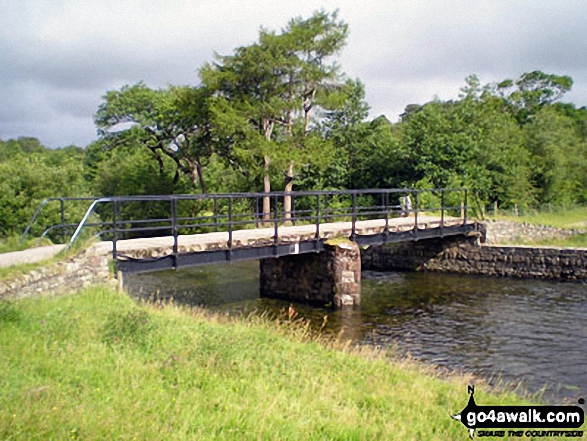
(151, 233)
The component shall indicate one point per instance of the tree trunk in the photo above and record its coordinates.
(266, 189)
(289, 119)
(289, 181)
(159, 161)
(268, 130)
(200, 176)
(308, 104)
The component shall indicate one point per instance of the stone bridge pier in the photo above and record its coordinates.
(332, 277)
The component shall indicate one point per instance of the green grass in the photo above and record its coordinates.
(98, 366)
(576, 241)
(575, 218)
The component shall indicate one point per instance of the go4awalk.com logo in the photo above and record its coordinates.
(524, 419)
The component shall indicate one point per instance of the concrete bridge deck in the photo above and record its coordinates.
(146, 248)
(162, 246)
(151, 254)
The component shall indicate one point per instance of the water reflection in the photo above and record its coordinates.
(524, 331)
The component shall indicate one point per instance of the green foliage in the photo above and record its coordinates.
(532, 91)
(14, 243)
(473, 142)
(132, 171)
(559, 157)
(171, 123)
(268, 95)
(26, 179)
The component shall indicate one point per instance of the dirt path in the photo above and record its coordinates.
(29, 256)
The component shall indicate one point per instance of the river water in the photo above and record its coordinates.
(524, 332)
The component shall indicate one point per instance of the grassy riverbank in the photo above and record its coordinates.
(571, 218)
(99, 366)
(576, 241)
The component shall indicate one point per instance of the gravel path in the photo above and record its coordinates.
(29, 256)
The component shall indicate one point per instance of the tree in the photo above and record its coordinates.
(28, 178)
(172, 123)
(343, 125)
(559, 157)
(533, 90)
(265, 94)
(471, 143)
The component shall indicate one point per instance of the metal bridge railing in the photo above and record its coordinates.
(128, 217)
(64, 211)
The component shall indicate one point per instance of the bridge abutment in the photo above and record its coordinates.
(331, 277)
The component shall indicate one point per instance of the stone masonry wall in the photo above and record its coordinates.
(80, 271)
(467, 257)
(333, 276)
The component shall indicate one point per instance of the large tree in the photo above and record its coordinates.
(267, 93)
(559, 157)
(532, 91)
(470, 142)
(172, 123)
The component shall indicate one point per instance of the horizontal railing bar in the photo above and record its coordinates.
(367, 203)
(296, 194)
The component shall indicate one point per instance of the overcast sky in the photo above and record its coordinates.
(59, 57)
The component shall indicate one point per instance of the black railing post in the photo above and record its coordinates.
(229, 222)
(317, 216)
(416, 214)
(256, 211)
(62, 210)
(215, 213)
(174, 227)
(354, 229)
(275, 223)
(326, 208)
(229, 228)
(442, 212)
(293, 209)
(466, 206)
(386, 208)
(115, 209)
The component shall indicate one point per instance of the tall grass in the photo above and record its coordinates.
(97, 366)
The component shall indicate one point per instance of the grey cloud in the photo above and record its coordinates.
(543, 33)
(55, 65)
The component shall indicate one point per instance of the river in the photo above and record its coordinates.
(526, 332)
